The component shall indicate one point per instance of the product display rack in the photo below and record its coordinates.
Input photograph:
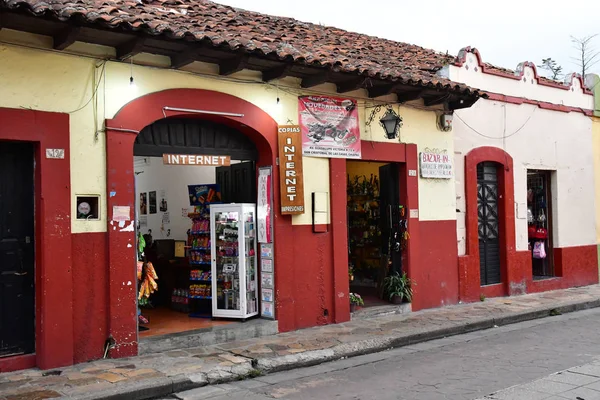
(233, 249)
(199, 254)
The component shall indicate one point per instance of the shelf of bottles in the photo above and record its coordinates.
(234, 261)
(199, 253)
(364, 228)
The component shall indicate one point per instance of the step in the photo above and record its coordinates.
(208, 336)
(379, 311)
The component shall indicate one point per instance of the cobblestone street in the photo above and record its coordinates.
(163, 373)
(463, 367)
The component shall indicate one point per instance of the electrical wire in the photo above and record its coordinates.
(504, 136)
(94, 91)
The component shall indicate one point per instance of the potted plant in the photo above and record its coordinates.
(351, 272)
(398, 288)
(355, 301)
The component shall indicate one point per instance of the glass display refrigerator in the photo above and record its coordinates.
(234, 276)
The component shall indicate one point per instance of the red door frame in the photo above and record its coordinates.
(470, 288)
(53, 279)
(121, 132)
(406, 156)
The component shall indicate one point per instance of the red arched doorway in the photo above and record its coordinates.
(121, 132)
(471, 284)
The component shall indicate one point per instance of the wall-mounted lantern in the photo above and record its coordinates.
(391, 123)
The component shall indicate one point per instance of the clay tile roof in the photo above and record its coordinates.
(241, 30)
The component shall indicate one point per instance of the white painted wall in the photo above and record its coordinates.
(536, 139)
(471, 74)
(155, 176)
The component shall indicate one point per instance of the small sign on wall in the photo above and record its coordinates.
(291, 177)
(435, 165)
(192, 159)
(58, 154)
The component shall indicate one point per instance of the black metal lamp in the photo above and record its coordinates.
(391, 123)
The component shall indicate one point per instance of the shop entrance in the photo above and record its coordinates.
(488, 223)
(210, 166)
(375, 229)
(16, 249)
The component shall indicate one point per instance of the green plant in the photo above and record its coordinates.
(356, 299)
(398, 285)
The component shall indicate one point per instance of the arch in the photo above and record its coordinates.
(469, 279)
(121, 132)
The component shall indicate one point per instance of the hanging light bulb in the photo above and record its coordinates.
(132, 85)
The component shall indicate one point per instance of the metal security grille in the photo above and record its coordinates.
(487, 223)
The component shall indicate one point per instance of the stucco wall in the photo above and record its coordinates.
(536, 139)
(437, 197)
(51, 81)
(596, 149)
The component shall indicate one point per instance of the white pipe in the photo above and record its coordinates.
(225, 114)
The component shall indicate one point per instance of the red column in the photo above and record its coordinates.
(339, 231)
(409, 195)
(122, 293)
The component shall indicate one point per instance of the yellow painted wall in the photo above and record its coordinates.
(50, 81)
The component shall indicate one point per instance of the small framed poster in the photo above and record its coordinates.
(267, 309)
(152, 202)
(267, 295)
(266, 250)
(266, 265)
(267, 280)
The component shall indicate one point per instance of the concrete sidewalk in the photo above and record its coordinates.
(161, 374)
(578, 383)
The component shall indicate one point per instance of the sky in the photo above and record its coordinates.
(505, 32)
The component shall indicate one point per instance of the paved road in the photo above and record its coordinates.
(461, 367)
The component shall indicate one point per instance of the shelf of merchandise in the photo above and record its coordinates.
(200, 232)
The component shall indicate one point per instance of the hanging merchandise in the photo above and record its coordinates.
(529, 215)
(147, 277)
(539, 251)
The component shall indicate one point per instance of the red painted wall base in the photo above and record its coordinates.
(17, 363)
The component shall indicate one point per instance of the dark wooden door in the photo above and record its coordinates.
(389, 184)
(238, 182)
(16, 249)
(488, 223)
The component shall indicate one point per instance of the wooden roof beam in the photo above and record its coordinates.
(65, 38)
(130, 48)
(183, 59)
(350, 85)
(405, 96)
(276, 73)
(315, 80)
(233, 65)
(432, 101)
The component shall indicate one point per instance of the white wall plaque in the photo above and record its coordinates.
(55, 153)
(434, 165)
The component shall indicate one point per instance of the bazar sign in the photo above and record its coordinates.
(291, 178)
(329, 127)
(434, 165)
(192, 159)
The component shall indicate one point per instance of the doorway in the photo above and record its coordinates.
(539, 221)
(174, 218)
(488, 226)
(374, 216)
(17, 315)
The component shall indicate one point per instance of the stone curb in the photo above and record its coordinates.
(166, 386)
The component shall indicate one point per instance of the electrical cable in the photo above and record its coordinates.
(95, 90)
(504, 136)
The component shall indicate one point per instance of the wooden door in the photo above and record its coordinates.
(389, 204)
(488, 223)
(16, 249)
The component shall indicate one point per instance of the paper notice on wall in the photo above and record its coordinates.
(121, 213)
(143, 221)
(162, 201)
(166, 219)
(185, 212)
